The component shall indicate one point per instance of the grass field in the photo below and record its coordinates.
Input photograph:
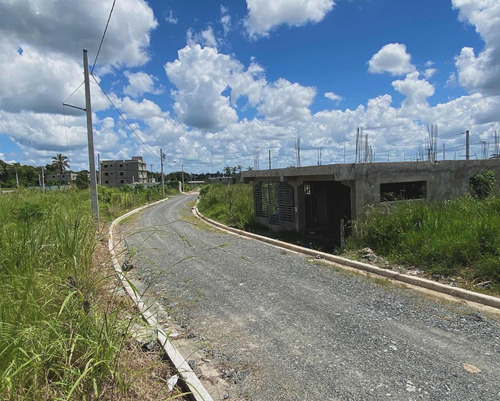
(458, 237)
(62, 335)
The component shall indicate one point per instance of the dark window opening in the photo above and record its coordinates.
(121, 181)
(106, 174)
(121, 172)
(106, 182)
(396, 191)
(121, 165)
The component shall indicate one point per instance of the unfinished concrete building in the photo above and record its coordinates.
(115, 173)
(319, 199)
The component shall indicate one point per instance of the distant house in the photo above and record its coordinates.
(115, 173)
(67, 178)
(220, 180)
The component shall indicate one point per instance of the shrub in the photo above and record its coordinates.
(482, 185)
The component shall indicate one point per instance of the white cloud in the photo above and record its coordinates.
(429, 72)
(225, 19)
(284, 102)
(205, 38)
(140, 83)
(416, 90)
(144, 110)
(67, 27)
(171, 19)
(482, 72)
(391, 58)
(201, 75)
(264, 15)
(334, 97)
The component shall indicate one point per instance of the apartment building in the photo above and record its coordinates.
(115, 173)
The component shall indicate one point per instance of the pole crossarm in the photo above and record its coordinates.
(75, 107)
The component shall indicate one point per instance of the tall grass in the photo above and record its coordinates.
(232, 205)
(460, 236)
(56, 341)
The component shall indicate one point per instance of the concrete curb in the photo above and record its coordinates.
(199, 393)
(467, 295)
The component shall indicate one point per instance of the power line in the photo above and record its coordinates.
(103, 35)
(123, 118)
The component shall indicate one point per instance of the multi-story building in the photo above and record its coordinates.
(67, 177)
(115, 173)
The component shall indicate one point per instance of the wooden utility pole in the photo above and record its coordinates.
(90, 134)
(270, 159)
(162, 157)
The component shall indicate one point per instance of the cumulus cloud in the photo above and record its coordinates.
(416, 90)
(67, 27)
(284, 102)
(204, 79)
(201, 76)
(391, 58)
(429, 72)
(140, 83)
(482, 72)
(264, 15)
(334, 97)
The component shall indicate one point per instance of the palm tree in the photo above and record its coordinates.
(60, 163)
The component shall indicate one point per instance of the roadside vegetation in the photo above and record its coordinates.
(63, 331)
(229, 204)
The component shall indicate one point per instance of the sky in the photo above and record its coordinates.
(220, 83)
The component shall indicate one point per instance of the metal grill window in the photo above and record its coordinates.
(286, 202)
(275, 201)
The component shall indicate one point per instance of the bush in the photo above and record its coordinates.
(482, 185)
(232, 205)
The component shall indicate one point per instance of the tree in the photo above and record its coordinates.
(82, 180)
(60, 164)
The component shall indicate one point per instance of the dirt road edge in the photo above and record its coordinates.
(199, 393)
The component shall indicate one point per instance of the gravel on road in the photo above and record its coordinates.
(276, 325)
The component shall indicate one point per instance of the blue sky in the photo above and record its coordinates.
(209, 81)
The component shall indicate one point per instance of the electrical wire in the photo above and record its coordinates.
(72, 93)
(123, 118)
(103, 35)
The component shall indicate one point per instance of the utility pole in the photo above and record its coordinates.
(99, 177)
(269, 159)
(88, 110)
(162, 157)
(43, 180)
(444, 153)
(467, 154)
(182, 168)
(17, 177)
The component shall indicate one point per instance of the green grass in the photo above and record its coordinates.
(231, 205)
(457, 237)
(57, 340)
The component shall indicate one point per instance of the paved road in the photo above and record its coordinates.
(282, 326)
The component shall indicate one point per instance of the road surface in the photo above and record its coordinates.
(275, 325)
